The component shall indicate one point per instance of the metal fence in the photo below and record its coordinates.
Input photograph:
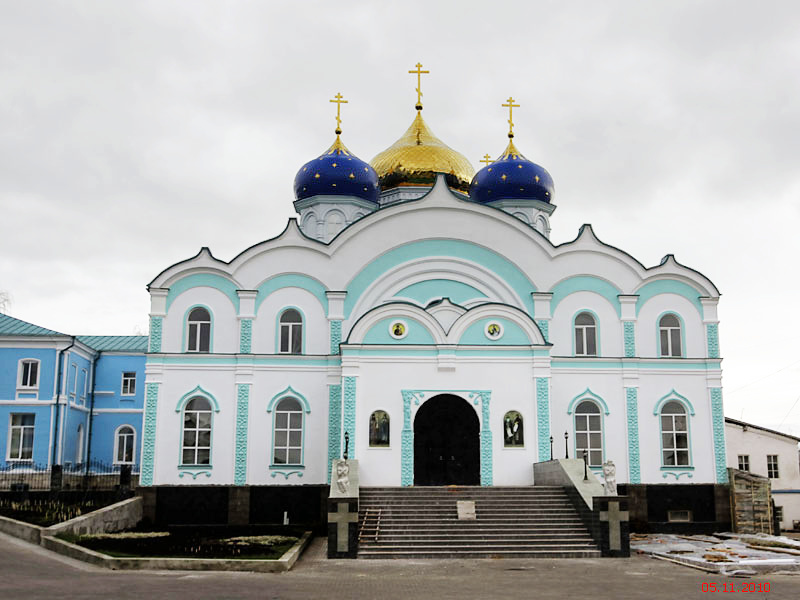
(21, 477)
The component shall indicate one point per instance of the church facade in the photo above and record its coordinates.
(417, 317)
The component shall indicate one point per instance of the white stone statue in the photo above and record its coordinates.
(342, 476)
(610, 478)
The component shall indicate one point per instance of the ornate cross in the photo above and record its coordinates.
(419, 73)
(613, 516)
(338, 100)
(487, 159)
(511, 106)
(342, 517)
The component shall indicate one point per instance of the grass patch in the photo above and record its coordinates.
(45, 512)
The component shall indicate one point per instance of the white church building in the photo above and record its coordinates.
(419, 310)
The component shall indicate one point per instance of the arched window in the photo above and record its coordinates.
(585, 335)
(513, 430)
(541, 225)
(379, 429)
(124, 445)
(291, 332)
(196, 448)
(674, 435)
(334, 221)
(589, 432)
(669, 329)
(199, 331)
(288, 433)
(29, 373)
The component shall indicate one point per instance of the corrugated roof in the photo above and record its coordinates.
(12, 326)
(115, 343)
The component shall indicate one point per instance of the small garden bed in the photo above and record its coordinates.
(46, 512)
(216, 542)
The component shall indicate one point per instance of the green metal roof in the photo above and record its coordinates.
(115, 343)
(12, 326)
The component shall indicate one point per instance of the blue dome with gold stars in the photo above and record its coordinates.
(511, 177)
(337, 172)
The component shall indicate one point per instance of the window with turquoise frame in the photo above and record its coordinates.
(589, 432)
(669, 332)
(197, 421)
(585, 335)
(198, 330)
(287, 445)
(674, 435)
(290, 334)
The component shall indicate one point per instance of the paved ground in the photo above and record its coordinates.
(31, 573)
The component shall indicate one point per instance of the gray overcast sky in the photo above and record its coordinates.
(132, 133)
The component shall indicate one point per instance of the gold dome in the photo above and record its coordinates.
(417, 156)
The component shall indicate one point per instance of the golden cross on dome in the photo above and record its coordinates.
(338, 100)
(487, 159)
(419, 72)
(511, 106)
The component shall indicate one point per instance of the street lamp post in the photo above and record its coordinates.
(566, 444)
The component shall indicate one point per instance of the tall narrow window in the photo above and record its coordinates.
(196, 432)
(20, 445)
(585, 335)
(126, 438)
(79, 445)
(128, 383)
(199, 331)
(291, 332)
(74, 375)
(513, 430)
(84, 382)
(589, 432)
(674, 435)
(288, 433)
(29, 373)
(379, 429)
(669, 330)
(772, 466)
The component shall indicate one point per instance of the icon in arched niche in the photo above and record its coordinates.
(379, 429)
(513, 430)
(398, 329)
(494, 331)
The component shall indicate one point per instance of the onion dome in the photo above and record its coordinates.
(336, 172)
(512, 176)
(416, 158)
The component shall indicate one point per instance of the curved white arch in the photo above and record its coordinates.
(366, 322)
(511, 313)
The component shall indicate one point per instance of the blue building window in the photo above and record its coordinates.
(128, 383)
(28, 374)
(124, 445)
(20, 435)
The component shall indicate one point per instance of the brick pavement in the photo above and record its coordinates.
(32, 573)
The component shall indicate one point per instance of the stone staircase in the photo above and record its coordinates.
(511, 522)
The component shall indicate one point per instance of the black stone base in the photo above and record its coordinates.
(708, 503)
(603, 534)
(352, 528)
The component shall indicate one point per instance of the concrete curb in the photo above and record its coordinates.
(19, 529)
(281, 565)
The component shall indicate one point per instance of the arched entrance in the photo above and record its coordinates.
(446, 442)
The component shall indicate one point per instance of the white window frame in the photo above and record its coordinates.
(22, 386)
(669, 329)
(196, 447)
(118, 435)
(23, 428)
(128, 380)
(743, 461)
(198, 326)
(583, 418)
(74, 371)
(294, 329)
(85, 383)
(582, 332)
(673, 431)
(288, 429)
(79, 445)
(773, 472)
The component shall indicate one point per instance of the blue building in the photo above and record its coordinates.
(69, 400)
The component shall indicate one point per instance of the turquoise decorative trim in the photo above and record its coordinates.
(668, 286)
(194, 474)
(629, 338)
(245, 336)
(676, 475)
(417, 333)
(285, 473)
(586, 283)
(513, 335)
(423, 292)
(634, 467)
(222, 359)
(334, 425)
(679, 364)
(543, 417)
(292, 280)
(226, 286)
(155, 334)
(673, 395)
(198, 391)
(242, 414)
(587, 394)
(712, 331)
(184, 334)
(544, 327)
(149, 437)
(718, 420)
(289, 391)
(407, 442)
(349, 410)
(486, 438)
(336, 336)
(492, 261)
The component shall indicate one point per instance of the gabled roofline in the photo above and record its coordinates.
(744, 425)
